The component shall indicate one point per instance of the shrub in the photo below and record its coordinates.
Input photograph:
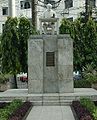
(82, 112)
(4, 77)
(7, 110)
(95, 102)
(85, 109)
(90, 74)
(86, 102)
(82, 84)
(95, 114)
(3, 104)
(20, 112)
(90, 105)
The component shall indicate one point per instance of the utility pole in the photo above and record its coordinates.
(34, 15)
(86, 6)
(88, 9)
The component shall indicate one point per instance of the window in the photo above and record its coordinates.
(68, 3)
(25, 5)
(50, 59)
(22, 4)
(5, 11)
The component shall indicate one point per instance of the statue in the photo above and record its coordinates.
(49, 13)
(48, 20)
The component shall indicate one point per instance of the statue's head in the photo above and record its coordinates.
(49, 7)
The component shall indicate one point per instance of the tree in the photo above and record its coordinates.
(84, 36)
(78, 44)
(85, 42)
(65, 26)
(24, 31)
(34, 16)
(14, 45)
(9, 45)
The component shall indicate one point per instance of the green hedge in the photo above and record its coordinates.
(90, 106)
(9, 109)
(82, 84)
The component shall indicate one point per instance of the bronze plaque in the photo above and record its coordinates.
(50, 59)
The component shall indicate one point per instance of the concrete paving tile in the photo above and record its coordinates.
(67, 113)
(35, 113)
(51, 113)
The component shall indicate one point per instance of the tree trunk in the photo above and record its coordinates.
(15, 82)
(88, 10)
(34, 15)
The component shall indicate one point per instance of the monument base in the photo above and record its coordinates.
(49, 98)
(50, 64)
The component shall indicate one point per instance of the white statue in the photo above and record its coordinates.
(49, 21)
(49, 13)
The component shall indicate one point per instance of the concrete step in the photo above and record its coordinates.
(52, 103)
(50, 98)
(57, 103)
(10, 98)
(42, 100)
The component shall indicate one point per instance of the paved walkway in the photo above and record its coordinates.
(50, 113)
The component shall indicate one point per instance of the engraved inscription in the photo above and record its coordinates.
(50, 59)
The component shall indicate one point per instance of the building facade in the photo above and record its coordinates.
(64, 8)
(73, 8)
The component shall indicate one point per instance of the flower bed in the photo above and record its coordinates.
(85, 109)
(3, 104)
(81, 112)
(15, 110)
(19, 114)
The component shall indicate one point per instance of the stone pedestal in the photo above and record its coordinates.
(46, 23)
(50, 64)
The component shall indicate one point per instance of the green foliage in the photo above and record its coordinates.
(84, 37)
(14, 44)
(90, 74)
(91, 77)
(82, 84)
(85, 42)
(24, 31)
(4, 77)
(89, 104)
(9, 45)
(65, 26)
(9, 109)
(14, 105)
(95, 114)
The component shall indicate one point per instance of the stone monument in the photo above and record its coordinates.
(50, 58)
